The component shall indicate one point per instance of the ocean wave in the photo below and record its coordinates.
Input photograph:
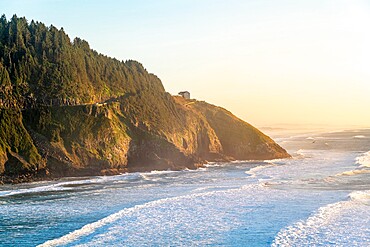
(364, 160)
(78, 182)
(361, 196)
(301, 153)
(90, 228)
(330, 224)
(74, 183)
(274, 161)
(148, 178)
(63, 186)
(302, 231)
(126, 212)
(210, 188)
(200, 169)
(49, 188)
(155, 175)
(68, 185)
(239, 161)
(359, 137)
(253, 171)
(155, 172)
(212, 164)
(353, 172)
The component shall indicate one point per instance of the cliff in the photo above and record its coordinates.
(66, 110)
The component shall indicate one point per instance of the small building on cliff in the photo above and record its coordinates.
(185, 94)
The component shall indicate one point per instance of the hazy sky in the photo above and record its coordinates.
(268, 61)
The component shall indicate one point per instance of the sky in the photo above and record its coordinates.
(270, 62)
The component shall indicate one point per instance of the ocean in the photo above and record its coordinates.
(319, 197)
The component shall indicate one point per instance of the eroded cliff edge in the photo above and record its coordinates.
(104, 139)
(66, 110)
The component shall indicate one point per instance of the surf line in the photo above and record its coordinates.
(90, 228)
(298, 233)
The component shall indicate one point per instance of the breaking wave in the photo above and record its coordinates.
(127, 212)
(253, 171)
(339, 224)
(48, 188)
(353, 172)
(359, 137)
(72, 185)
(364, 160)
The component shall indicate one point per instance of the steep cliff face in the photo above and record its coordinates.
(227, 137)
(66, 110)
(100, 139)
(239, 139)
(78, 140)
(18, 154)
(103, 139)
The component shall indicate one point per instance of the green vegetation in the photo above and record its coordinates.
(14, 139)
(81, 136)
(45, 67)
(66, 110)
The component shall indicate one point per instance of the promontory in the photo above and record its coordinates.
(67, 110)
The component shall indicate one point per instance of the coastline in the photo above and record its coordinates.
(44, 175)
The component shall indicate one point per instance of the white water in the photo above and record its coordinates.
(345, 223)
(320, 197)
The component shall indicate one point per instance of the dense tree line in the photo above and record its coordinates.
(41, 65)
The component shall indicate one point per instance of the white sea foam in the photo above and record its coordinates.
(300, 232)
(48, 188)
(340, 223)
(66, 185)
(353, 172)
(359, 137)
(154, 175)
(193, 220)
(301, 152)
(253, 171)
(161, 172)
(274, 161)
(147, 178)
(361, 196)
(238, 161)
(212, 164)
(92, 227)
(208, 188)
(364, 160)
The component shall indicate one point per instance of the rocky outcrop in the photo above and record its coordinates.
(238, 139)
(223, 136)
(104, 139)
